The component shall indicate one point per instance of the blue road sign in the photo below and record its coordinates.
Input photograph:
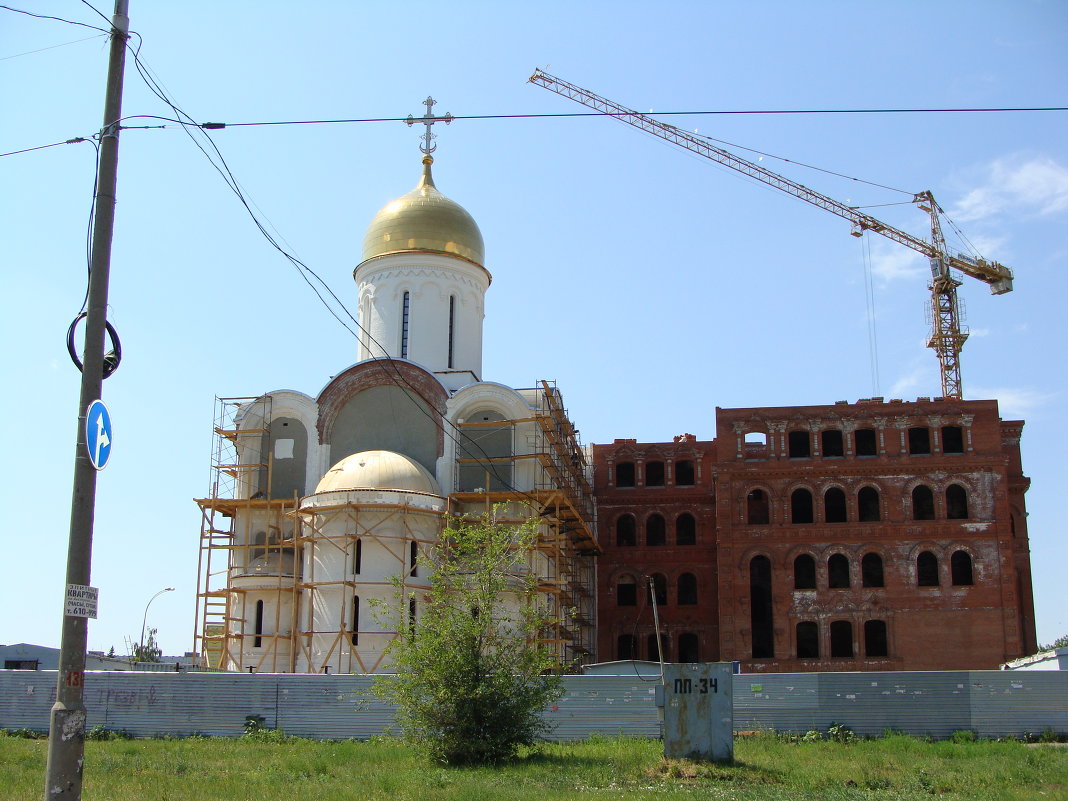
(98, 434)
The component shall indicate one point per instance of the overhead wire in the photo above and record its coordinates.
(51, 47)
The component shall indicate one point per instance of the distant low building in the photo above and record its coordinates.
(1055, 659)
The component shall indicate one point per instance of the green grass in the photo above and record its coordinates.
(766, 767)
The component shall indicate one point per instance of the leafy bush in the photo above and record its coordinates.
(99, 732)
(964, 736)
(840, 733)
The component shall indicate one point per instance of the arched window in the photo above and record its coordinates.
(654, 474)
(757, 508)
(875, 638)
(804, 572)
(801, 506)
(871, 570)
(626, 646)
(960, 564)
(923, 503)
(838, 572)
(841, 639)
(919, 440)
(626, 590)
(259, 541)
(625, 474)
(685, 529)
(799, 444)
(831, 443)
(660, 589)
(626, 530)
(952, 439)
(357, 557)
(956, 502)
(655, 530)
(688, 648)
(652, 647)
(484, 451)
(684, 475)
(808, 640)
(927, 570)
(868, 507)
(687, 589)
(257, 641)
(834, 506)
(406, 308)
(864, 440)
(355, 619)
(761, 607)
(452, 329)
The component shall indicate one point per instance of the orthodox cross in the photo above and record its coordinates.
(427, 147)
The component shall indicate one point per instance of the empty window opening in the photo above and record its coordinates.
(411, 615)
(808, 640)
(357, 558)
(834, 506)
(831, 443)
(684, 473)
(257, 641)
(927, 570)
(406, 306)
(868, 507)
(956, 502)
(626, 591)
(655, 530)
(875, 638)
(654, 474)
(688, 648)
(626, 530)
(961, 567)
(626, 646)
(355, 619)
(804, 572)
(800, 444)
(652, 647)
(413, 558)
(801, 506)
(923, 507)
(841, 639)
(865, 441)
(259, 541)
(685, 529)
(687, 589)
(625, 474)
(952, 439)
(871, 570)
(919, 440)
(452, 328)
(761, 617)
(660, 588)
(758, 511)
(756, 445)
(838, 572)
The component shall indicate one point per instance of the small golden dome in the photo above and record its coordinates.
(424, 220)
(378, 470)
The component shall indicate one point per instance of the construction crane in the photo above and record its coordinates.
(947, 333)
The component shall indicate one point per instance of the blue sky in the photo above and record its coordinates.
(650, 284)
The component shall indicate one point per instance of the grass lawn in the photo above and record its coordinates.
(766, 767)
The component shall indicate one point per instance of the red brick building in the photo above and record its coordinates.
(867, 536)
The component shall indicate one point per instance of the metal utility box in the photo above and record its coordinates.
(699, 711)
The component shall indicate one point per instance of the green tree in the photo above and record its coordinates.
(472, 673)
(1060, 642)
(149, 651)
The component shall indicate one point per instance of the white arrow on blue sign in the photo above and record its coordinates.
(98, 434)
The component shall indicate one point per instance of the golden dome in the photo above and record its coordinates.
(424, 220)
(378, 470)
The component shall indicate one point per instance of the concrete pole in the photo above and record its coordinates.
(66, 743)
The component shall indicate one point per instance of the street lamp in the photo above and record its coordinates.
(141, 650)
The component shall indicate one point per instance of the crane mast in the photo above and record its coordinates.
(947, 333)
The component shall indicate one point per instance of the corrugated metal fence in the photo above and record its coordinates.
(990, 703)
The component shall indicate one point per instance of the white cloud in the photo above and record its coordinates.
(1017, 183)
(1013, 402)
(890, 261)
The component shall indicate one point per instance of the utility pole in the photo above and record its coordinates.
(66, 734)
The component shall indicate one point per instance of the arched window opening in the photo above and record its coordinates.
(868, 508)
(652, 647)
(413, 559)
(761, 618)
(927, 570)
(484, 452)
(956, 502)
(257, 641)
(919, 440)
(687, 589)
(923, 507)
(838, 572)
(259, 542)
(655, 530)
(684, 473)
(758, 511)
(961, 567)
(864, 440)
(688, 648)
(626, 591)
(406, 308)
(626, 646)
(660, 589)
(834, 506)
(355, 619)
(626, 531)
(799, 444)
(831, 444)
(871, 570)
(452, 329)
(685, 529)
(875, 638)
(841, 639)
(625, 474)
(801, 506)
(357, 557)
(756, 445)
(654, 474)
(804, 572)
(808, 640)
(952, 439)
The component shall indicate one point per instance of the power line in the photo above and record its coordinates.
(50, 47)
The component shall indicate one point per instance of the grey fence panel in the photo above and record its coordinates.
(26, 698)
(785, 702)
(923, 703)
(1010, 702)
(606, 704)
(331, 707)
